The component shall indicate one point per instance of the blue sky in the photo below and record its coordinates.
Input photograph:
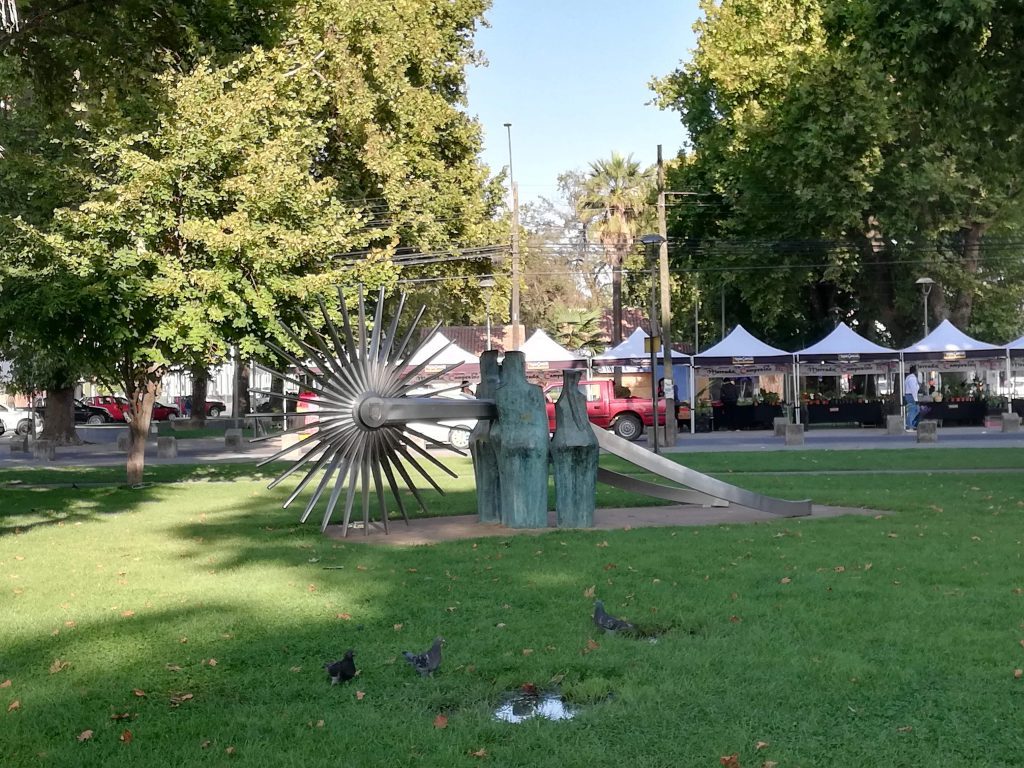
(571, 76)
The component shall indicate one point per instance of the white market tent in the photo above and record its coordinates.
(947, 342)
(1014, 359)
(739, 354)
(543, 353)
(448, 354)
(947, 348)
(631, 352)
(844, 351)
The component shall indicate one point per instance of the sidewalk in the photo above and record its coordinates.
(211, 450)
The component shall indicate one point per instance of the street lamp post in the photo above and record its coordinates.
(926, 284)
(487, 283)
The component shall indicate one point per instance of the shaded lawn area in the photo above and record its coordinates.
(846, 642)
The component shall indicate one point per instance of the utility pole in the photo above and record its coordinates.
(514, 312)
(666, 310)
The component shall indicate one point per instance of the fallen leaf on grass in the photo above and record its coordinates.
(769, 764)
(1018, 674)
(735, 619)
(127, 614)
(84, 735)
(398, 627)
(360, 695)
(440, 721)
(204, 744)
(529, 689)
(7, 683)
(210, 662)
(139, 692)
(730, 761)
(840, 569)
(360, 567)
(601, 544)
(121, 716)
(180, 699)
(479, 753)
(761, 745)
(126, 736)
(59, 666)
(589, 591)
(785, 580)
(16, 704)
(230, 751)
(610, 566)
(70, 624)
(295, 669)
(592, 645)
(527, 651)
(905, 729)
(311, 588)
(343, 616)
(173, 667)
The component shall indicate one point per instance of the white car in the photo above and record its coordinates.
(15, 420)
(453, 432)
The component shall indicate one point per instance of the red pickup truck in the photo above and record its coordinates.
(627, 416)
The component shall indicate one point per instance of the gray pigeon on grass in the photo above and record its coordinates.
(608, 622)
(343, 670)
(425, 663)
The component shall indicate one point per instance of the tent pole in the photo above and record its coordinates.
(693, 402)
(1009, 384)
(796, 388)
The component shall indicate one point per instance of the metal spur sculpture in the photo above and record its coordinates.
(362, 441)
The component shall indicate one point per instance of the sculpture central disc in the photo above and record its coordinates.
(371, 412)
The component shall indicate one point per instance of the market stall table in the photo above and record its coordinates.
(838, 412)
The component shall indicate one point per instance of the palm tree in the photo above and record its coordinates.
(578, 330)
(615, 195)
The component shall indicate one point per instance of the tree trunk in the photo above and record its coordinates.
(200, 382)
(963, 304)
(140, 406)
(59, 421)
(242, 388)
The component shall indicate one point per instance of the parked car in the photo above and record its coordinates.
(16, 420)
(626, 416)
(453, 432)
(83, 413)
(116, 407)
(215, 408)
(162, 412)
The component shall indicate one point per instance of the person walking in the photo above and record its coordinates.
(911, 386)
(729, 394)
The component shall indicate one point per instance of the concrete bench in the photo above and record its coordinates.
(894, 424)
(232, 438)
(1011, 422)
(779, 425)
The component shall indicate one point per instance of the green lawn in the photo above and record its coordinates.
(860, 641)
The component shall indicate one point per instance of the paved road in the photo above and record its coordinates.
(211, 450)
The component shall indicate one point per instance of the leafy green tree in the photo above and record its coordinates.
(855, 147)
(271, 179)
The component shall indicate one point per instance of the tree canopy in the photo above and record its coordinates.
(839, 150)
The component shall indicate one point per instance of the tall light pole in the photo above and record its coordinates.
(487, 283)
(514, 312)
(666, 310)
(926, 284)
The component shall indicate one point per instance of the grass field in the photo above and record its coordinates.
(187, 624)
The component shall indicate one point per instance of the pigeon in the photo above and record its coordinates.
(610, 623)
(344, 670)
(425, 663)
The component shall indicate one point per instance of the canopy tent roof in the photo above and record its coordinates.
(1016, 347)
(949, 342)
(631, 352)
(846, 345)
(541, 348)
(448, 354)
(740, 345)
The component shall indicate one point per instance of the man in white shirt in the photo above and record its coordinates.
(911, 386)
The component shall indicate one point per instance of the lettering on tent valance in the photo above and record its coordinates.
(957, 354)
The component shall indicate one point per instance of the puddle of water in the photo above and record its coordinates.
(520, 706)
